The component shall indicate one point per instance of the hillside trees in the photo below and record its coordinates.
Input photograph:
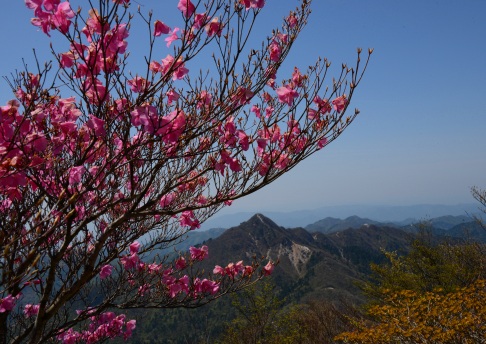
(435, 294)
(432, 317)
(100, 167)
(263, 318)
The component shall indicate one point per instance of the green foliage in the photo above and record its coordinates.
(436, 317)
(263, 320)
(434, 294)
(428, 266)
(257, 308)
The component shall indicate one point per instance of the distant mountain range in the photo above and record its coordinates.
(326, 259)
(310, 265)
(401, 215)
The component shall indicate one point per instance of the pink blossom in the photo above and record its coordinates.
(130, 325)
(286, 95)
(180, 72)
(180, 263)
(253, 3)
(269, 111)
(96, 92)
(256, 110)
(35, 5)
(172, 96)
(186, 7)
(61, 17)
(323, 104)
(218, 270)
(106, 271)
(69, 337)
(166, 200)
(275, 51)
(38, 141)
(292, 20)
(268, 269)
(242, 96)
(187, 219)
(312, 114)
(155, 67)
(143, 289)
(214, 27)
(173, 37)
(97, 125)
(147, 117)
(243, 140)
(160, 28)
(340, 103)
(135, 247)
(31, 310)
(297, 77)
(172, 126)
(178, 68)
(204, 99)
(198, 253)
(7, 303)
(205, 286)
(130, 262)
(138, 84)
(67, 60)
(248, 270)
(199, 20)
(322, 142)
(75, 174)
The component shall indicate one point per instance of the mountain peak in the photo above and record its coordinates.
(260, 219)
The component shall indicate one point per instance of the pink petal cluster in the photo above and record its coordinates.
(275, 51)
(102, 327)
(205, 286)
(51, 14)
(7, 303)
(252, 3)
(160, 28)
(187, 219)
(340, 103)
(138, 84)
(106, 271)
(186, 7)
(233, 269)
(287, 95)
(268, 269)
(169, 65)
(172, 37)
(31, 310)
(198, 254)
(214, 27)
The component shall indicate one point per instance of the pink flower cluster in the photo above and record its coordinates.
(176, 68)
(232, 270)
(104, 326)
(253, 3)
(132, 260)
(31, 310)
(51, 14)
(7, 303)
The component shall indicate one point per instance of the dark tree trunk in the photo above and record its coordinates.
(3, 328)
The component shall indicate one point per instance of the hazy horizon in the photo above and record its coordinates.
(380, 213)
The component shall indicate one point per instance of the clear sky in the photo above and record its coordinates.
(420, 138)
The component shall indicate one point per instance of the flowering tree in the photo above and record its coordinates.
(99, 168)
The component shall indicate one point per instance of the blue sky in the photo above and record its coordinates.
(420, 137)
